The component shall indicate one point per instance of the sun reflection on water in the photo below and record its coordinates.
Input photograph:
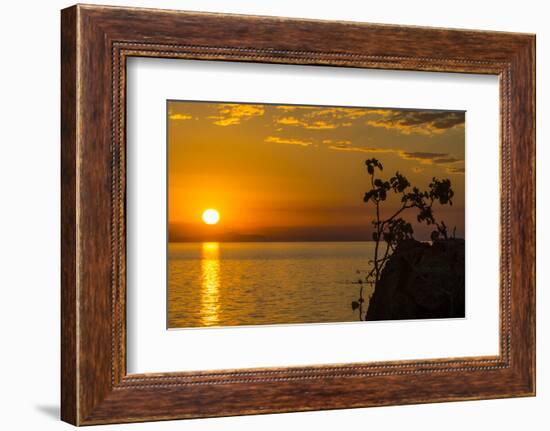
(210, 283)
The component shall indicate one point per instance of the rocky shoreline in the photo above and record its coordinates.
(421, 281)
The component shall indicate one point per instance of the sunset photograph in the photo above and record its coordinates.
(302, 214)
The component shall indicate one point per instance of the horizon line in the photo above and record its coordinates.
(282, 241)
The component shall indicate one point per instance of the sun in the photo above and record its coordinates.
(211, 216)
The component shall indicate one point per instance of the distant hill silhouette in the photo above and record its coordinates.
(280, 234)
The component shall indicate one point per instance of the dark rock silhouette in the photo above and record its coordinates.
(421, 281)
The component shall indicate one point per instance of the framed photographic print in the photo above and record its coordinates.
(274, 210)
(268, 215)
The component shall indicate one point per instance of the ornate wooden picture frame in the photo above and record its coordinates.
(96, 41)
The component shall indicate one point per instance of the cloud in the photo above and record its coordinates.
(311, 117)
(425, 158)
(445, 160)
(431, 158)
(405, 121)
(321, 125)
(178, 117)
(286, 108)
(287, 141)
(293, 121)
(339, 113)
(288, 121)
(343, 147)
(449, 160)
(455, 170)
(232, 114)
(422, 155)
(347, 147)
(420, 122)
(344, 143)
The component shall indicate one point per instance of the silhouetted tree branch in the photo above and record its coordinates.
(394, 229)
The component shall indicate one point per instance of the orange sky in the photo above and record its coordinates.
(282, 172)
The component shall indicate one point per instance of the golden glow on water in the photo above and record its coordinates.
(215, 284)
(210, 283)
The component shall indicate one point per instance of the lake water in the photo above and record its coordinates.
(229, 284)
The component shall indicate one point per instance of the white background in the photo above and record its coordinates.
(151, 348)
(29, 216)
